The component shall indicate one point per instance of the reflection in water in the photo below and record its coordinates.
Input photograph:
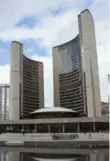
(68, 159)
(3, 156)
(17, 156)
(14, 156)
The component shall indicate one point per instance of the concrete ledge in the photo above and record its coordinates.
(14, 142)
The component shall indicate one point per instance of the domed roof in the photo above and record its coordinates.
(53, 109)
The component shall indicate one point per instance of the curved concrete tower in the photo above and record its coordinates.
(26, 83)
(75, 71)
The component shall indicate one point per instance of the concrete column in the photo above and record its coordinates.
(15, 69)
(41, 86)
(56, 69)
(49, 128)
(78, 127)
(94, 127)
(22, 127)
(35, 128)
(63, 128)
(5, 103)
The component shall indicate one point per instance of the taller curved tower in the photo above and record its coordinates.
(75, 70)
(26, 83)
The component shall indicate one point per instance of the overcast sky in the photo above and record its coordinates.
(40, 25)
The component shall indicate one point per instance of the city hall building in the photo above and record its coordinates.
(75, 70)
(26, 83)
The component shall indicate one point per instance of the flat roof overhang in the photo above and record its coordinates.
(55, 120)
(53, 110)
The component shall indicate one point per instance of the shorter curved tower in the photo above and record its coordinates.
(26, 83)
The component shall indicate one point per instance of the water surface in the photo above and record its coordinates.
(96, 155)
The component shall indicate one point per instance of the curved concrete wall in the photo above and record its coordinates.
(69, 76)
(32, 85)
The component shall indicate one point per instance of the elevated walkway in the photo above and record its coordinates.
(31, 137)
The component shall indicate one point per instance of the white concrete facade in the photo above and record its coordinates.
(90, 63)
(56, 69)
(14, 110)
